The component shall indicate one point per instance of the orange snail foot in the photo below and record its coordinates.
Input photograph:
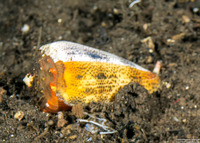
(47, 82)
(54, 105)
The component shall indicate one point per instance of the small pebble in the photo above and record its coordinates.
(130, 57)
(115, 11)
(2, 93)
(59, 20)
(175, 119)
(150, 51)
(168, 85)
(89, 139)
(72, 137)
(170, 41)
(184, 120)
(95, 7)
(67, 130)
(25, 28)
(60, 115)
(61, 135)
(149, 42)
(50, 122)
(149, 59)
(178, 36)
(60, 37)
(61, 121)
(103, 24)
(188, 136)
(19, 115)
(187, 87)
(186, 19)
(145, 26)
(195, 10)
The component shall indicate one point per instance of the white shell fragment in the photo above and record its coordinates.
(28, 79)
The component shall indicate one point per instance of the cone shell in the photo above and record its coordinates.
(70, 73)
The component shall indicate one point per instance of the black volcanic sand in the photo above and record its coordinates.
(171, 113)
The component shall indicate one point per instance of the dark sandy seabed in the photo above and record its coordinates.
(170, 114)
